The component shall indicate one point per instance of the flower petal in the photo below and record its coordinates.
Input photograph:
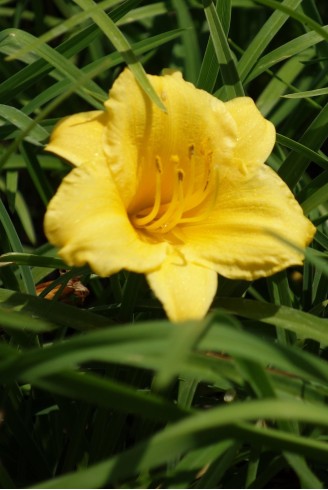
(256, 135)
(87, 221)
(185, 289)
(79, 138)
(146, 137)
(235, 240)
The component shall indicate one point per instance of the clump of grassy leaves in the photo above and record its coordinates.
(106, 392)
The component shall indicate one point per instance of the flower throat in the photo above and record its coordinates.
(192, 199)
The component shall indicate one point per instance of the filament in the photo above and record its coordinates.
(148, 218)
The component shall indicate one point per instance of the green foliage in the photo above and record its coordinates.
(104, 392)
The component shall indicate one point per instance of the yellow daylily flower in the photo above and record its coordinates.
(179, 196)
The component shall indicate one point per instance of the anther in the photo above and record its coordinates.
(191, 151)
(158, 164)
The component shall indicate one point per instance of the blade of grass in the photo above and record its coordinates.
(192, 464)
(11, 188)
(24, 215)
(63, 27)
(140, 346)
(41, 183)
(34, 260)
(27, 76)
(219, 467)
(307, 93)
(316, 199)
(303, 19)
(281, 295)
(113, 33)
(64, 66)
(17, 320)
(189, 39)
(76, 43)
(295, 165)
(22, 121)
(321, 160)
(209, 69)
(106, 63)
(110, 394)
(303, 324)
(262, 386)
(129, 296)
(263, 38)
(181, 344)
(59, 313)
(291, 48)
(17, 247)
(200, 430)
(145, 12)
(24, 437)
(269, 100)
(229, 73)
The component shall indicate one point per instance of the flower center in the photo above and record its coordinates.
(192, 198)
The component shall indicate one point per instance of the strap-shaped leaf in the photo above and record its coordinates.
(229, 73)
(119, 41)
(303, 19)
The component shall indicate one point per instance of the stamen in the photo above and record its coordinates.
(189, 186)
(194, 199)
(174, 210)
(211, 191)
(190, 202)
(145, 220)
